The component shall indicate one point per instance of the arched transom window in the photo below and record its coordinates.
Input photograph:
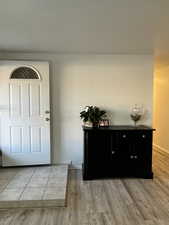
(24, 72)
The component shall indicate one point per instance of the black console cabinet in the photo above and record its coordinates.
(117, 151)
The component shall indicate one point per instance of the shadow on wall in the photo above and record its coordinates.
(0, 158)
(54, 70)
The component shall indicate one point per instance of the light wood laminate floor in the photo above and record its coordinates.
(105, 202)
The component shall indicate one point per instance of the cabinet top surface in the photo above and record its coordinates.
(120, 127)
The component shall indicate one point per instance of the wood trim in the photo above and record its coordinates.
(160, 149)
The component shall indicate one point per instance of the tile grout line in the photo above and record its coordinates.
(8, 182)
(46, 185)
(19, 198)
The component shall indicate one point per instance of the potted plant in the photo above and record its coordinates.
(91, 116)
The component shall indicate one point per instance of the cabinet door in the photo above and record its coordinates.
(119, 152)
(96, 154)
(141, 153)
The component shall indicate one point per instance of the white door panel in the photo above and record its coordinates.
(25, 132)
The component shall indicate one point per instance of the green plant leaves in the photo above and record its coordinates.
(92, 114)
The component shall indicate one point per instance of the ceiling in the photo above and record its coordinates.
(85, 26)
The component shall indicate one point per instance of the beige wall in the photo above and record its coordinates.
(113, 82)
(161, 108)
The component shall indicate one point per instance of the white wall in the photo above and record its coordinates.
(113, 82)
(161, 108)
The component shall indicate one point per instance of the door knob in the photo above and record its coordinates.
(47, 119)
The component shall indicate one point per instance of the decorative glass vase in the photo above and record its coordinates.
(136, 113)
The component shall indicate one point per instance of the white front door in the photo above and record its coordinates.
(24, 113)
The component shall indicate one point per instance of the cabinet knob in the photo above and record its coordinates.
(143, 136)
(47, 119)
(113, 152)
(131, 157)
(135, 156)
(124, 136)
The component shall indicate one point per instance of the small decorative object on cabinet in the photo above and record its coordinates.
(136, 113)
(91, 116)
(117, 151)
(104, 123)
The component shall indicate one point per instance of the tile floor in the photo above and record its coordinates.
(43, 186)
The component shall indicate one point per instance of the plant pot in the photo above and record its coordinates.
(88, 124)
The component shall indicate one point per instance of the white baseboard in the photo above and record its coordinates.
(68, 162)
(72, 166)
(160, 149)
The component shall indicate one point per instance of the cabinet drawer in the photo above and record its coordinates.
(124, 136)
(143, 136)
